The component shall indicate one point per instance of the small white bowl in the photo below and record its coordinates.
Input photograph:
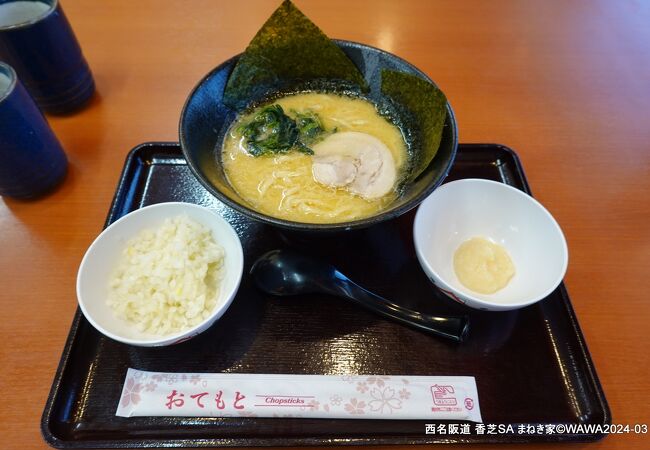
(102, 256)
(463, 209)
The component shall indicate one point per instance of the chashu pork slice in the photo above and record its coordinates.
(356, 161)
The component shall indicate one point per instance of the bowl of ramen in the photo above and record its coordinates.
(316, 134)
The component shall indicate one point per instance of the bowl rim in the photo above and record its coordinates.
(180, 336)
(325, 227)
(476, 302)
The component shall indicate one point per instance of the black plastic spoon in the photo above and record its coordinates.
(285, 272)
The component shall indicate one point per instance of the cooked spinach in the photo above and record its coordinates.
(272, 131)
(309, 126)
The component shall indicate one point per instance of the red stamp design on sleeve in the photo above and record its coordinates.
(443, 395)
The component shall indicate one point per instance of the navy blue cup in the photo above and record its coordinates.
(32, 161)
(38, 42)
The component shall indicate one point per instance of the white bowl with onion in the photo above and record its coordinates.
(160, 275)
(503, 218)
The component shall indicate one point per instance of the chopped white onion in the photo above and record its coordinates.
(168, 278)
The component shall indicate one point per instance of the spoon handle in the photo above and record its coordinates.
(451, 327)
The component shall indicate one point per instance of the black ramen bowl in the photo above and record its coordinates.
(205, 119)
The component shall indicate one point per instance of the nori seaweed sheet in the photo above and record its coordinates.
(427, 104)
(289, 48)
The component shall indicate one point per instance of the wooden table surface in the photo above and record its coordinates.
(564, 83)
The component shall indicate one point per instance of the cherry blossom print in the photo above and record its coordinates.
(159, 377)
(150, 386)
(355, 406)
(336, 399)
(362, 386)
(313, 405)
(384, 400)
(131, 395)
(348, 378)
(379, 381)
(195, 379)
(326, 407)
(404, 394)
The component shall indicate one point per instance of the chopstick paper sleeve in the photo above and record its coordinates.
(394, 397)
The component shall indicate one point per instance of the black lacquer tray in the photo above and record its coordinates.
(531, 366)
